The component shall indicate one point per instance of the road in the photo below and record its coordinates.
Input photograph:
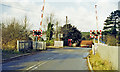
(51, 59)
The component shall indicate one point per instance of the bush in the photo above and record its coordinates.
(111, 40)
(98, 63)
(12, 31)
(50, 43)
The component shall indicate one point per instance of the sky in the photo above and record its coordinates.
(81, 13)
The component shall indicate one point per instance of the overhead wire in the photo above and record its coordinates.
(20, 9)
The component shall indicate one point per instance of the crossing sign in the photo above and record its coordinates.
(37, 33)
(95, 33)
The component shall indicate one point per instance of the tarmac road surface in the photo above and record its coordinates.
(52, 59)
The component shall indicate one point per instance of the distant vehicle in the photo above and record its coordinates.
(86, 43)
(75, 44)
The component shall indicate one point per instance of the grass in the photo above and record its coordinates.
(98, 63)
(53, 47)
(6, 54)
(85, 33)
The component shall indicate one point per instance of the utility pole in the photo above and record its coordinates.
(66, 19)
(25, 21)
(66, 25)
(56, 35)
(66, 22)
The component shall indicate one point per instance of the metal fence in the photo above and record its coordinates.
(39, 45)
(23, 45)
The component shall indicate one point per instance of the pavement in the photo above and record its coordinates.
(69, 58)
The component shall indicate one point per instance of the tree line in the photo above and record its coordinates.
(12, 31)
(111, 28)
(68, 31)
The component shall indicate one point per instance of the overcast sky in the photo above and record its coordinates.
(81, 13)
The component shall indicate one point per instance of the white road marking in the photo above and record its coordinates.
(51, 58)
(31, 67)
(39, 64)
(48, 58)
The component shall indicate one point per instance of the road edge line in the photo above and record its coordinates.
(89, 65)
(5, 60)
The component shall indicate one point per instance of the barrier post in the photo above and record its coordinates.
(94, 47)
(98, 40)
(36, 42)
(18, 45)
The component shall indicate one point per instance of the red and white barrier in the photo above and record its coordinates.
(42, 13)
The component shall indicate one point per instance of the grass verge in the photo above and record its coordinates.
(49, 47)
(98, 63)
(6, 54)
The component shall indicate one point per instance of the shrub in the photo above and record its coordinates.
(50, 43)
(98, 63)
(12, 31)
(111, 40)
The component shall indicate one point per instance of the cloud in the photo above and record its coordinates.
(19, 10)
(80, 13)
(80, 17)
(60, 0)
(104, 10)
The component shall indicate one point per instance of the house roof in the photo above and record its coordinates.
(86, 42)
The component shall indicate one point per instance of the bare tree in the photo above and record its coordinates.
(12, 32)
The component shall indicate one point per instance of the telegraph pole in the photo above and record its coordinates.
(66, 25)
(66, 19)
(56, 35)
(66, 22)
